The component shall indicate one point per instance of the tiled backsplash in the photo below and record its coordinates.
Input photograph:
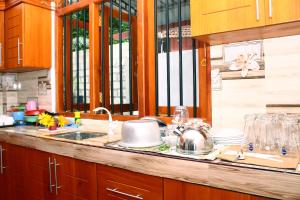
(29, 89)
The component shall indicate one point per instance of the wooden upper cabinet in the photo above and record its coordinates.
(1, 39)
(209, 17)
(236, 20)
(279, 11)
(27, 37)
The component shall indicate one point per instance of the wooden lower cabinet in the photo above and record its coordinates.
(117, 184)
(18, 173)
(29, 174)
(76, 179)
(186, 191)
(37, 175)
(3, 172)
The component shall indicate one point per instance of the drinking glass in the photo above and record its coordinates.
(249, 133)
(289, 140)
(265, 130)
(181, 115)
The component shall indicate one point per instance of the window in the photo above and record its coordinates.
(133, 58)
(76, 60)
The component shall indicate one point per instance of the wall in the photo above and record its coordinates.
(30, 89)
(280, 86)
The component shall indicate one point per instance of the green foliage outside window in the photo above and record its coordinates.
(124, 28)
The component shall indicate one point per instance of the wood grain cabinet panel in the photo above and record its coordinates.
(3, 172)
(2, 40)
(38, 176)
(17, 168)
(76, 179)
(185, 191)
(117, 184)
(28, 37)
(279, 11)
(209, 17)
(236, 20)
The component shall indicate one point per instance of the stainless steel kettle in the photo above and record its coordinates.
(194, 138)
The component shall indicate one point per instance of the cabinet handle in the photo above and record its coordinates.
(270, 9)
(55, 174)
(115, 190)
(1, 160)
(19, 51)
(50, 175)
(257, 10)
(0, 54)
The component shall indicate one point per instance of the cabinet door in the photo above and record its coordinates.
(209, 17)
(17, 160)
(1, 39)
(278, 11)
(122, 184)
(37, 37)
(3, 172)
(185, 191)
(75, 179)
(27, 37)
(40, 163)
(13, 36)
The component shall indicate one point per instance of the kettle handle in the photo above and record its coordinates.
(179, 130)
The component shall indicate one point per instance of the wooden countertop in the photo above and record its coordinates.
(262, 182)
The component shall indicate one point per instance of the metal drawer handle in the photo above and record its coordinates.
(19, 51)
(257, 10)
(115, 190)
(270, 9)
(55, 174)
(1, 160)
(50, 175)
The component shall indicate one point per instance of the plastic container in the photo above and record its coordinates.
(18, 116)
(77, 118)
(31, 105)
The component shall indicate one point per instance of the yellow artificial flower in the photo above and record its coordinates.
(46, 120)
(50, 121)
(62, 121)
(41, 116)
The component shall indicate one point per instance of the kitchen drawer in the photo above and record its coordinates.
(117, 183)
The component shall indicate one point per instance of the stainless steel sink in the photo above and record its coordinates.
(78, 135)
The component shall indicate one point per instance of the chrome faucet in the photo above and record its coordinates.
(110, 121)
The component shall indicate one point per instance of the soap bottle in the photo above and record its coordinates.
(77, 118)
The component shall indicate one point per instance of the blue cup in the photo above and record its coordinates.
(18, 116)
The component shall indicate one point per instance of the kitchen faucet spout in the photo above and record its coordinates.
(110, 121)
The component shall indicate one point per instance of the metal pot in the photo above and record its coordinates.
(194, 139)
(140, 133)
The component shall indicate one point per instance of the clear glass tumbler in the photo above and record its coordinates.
(289, 140)
(249, 133)
(180, 115)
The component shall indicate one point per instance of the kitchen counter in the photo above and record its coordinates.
(261, 181)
